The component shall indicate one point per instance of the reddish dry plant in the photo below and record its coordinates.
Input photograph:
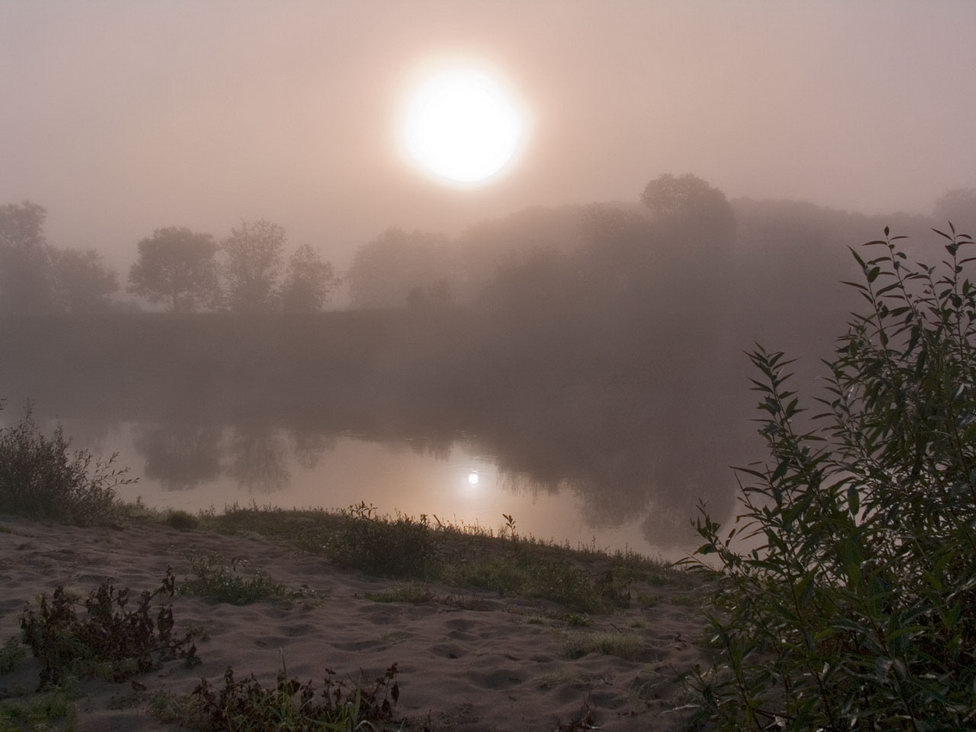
(119, 641)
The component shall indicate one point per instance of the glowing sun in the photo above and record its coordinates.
(462, 125)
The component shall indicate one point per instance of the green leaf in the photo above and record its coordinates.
(853, 500)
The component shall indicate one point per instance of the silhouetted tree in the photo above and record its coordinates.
(436, 295)
(178, 267)
(690, 204)
(26, 284)
(387, 269)
(84, 283)
(491, 245)
(959, 207)
(534, 290)
(308, 282)
(620, 253)
(252, 265)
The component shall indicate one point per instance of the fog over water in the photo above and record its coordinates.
(218, 258)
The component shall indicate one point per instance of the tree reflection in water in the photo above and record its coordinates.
(308, 446)
(180, 456)
(256, 458)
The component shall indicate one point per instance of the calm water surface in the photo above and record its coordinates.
(193, 467)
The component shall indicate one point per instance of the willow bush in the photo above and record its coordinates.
(857, 608)
(41, 477)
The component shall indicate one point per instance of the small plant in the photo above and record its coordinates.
(220, 581)
(582, 720)
(648, 599)
(510, 526)
(111, 640)
(12, 653)
(181, 520)
(54, 707)
(361, 510)
(569, 676)
(564, 583)
(40, 477)
(626, 644)
(186, 710)
(614, 590)
(578, 620)
(198, 631)
(292, 705)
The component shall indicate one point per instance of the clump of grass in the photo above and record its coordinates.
(858, 611)
(52, 708)
(219, 580)
(398, 547)
(289, 705)
(632, 646)
(412, 592)
(649, 599)
(181, 520)
(578, 620)
(561, 677)
(41, 478)
(110, 641)
(185, 710)
(199, 631)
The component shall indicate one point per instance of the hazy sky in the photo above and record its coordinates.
(124, 116)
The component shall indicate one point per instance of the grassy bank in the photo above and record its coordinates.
(425, 549)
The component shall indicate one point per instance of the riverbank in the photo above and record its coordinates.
(467, 658)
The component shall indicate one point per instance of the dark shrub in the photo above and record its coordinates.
(40, 477)
(400, 547)
(111, 640)
(292, 705)
(181, 520)
(857, 610)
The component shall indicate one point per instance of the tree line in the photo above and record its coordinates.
(177, 268)
(680, 224)
(535, 258)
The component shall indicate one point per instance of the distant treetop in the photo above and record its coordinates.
(178, 267)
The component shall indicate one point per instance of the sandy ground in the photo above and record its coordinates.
(466, 662)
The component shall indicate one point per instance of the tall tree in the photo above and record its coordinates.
(689, 204)
(386, 270)
(252, 264)
(84, 283)
(176, 266)
(308, 281)
(26, 285)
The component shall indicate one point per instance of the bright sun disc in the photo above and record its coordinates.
(461, 125)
